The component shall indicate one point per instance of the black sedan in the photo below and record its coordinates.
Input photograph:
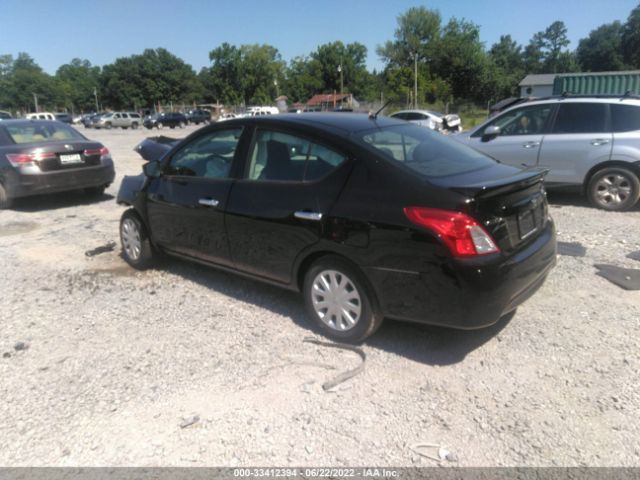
(367, 217)
(169, 119)
(41, 156)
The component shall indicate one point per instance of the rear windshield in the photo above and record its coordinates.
(39, 133)
(426, 152)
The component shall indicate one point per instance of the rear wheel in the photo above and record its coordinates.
(159, 125)
(136, 246)
(134, 125)
(5, 201)
(614, 188)
(340, 300)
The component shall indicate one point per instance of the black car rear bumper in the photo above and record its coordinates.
(23, 185)
(466, 294)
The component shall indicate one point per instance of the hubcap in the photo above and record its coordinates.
(130, 236)
(336, 300)
(613, 189)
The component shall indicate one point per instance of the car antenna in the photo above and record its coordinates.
(373, 116)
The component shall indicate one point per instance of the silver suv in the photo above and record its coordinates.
(119, 119)
(588, 143)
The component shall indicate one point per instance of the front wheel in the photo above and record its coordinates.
(340, 300)
(614, 189)
(181, 124)
(108, 126)
(159, 125)
(137, 250)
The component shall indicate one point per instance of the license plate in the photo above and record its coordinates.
(526, 223)
(71, 158)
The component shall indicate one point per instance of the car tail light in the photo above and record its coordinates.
(463, 235)
(103, 152)
(18, 159)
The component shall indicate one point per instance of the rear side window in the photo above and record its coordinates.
(279, 156)
(581, 118)
(426, 152)
(625, 118)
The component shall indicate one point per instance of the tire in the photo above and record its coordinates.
(159, 125)
(613, 189)
(134, 126)
(5, 201)
(181, 124)
(108, 126)
(137, 250)
(95, 191)
(353, 292)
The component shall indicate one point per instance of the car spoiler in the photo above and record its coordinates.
(519, 181)
(153, 149)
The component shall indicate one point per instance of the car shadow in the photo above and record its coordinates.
(55, 201)
(422, 343)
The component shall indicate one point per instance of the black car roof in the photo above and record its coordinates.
(346, 122)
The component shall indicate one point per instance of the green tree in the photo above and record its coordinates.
(77, 81)
(461, 61)
(506, 67)
(26, 80)
(602, 49)
(555, 40)
(417, 38)
(327, 61)
(631, 39)
(261, 66)
(300, 83)
(146, 79)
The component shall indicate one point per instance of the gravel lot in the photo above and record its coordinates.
(115, 362)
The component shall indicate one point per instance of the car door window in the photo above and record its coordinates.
(530, 120)
(279, 156)
(581, 118)
(208, 156)
(625, 118)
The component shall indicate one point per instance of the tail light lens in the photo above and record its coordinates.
(104, 151)
(462, 235)
(18, 159)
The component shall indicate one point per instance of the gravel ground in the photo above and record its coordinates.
(114, 363)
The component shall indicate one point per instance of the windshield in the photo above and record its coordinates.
(426, 152)
(41, 133)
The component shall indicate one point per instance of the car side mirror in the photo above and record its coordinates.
(151, 169)
(490, 133)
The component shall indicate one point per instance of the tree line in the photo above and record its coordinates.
(448, 60)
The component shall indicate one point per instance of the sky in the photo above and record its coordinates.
(54, 32)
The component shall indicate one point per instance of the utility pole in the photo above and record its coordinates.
(95, 95)
(415, 79)
(341, 79)
(275, 82)
(35, 99)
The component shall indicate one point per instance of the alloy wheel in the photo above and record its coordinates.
(613, 189)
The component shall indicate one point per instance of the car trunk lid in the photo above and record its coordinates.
(510, 203)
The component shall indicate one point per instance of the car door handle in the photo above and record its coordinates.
(304, 215)
(208, 202)
(599, 141)
(531, 144)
